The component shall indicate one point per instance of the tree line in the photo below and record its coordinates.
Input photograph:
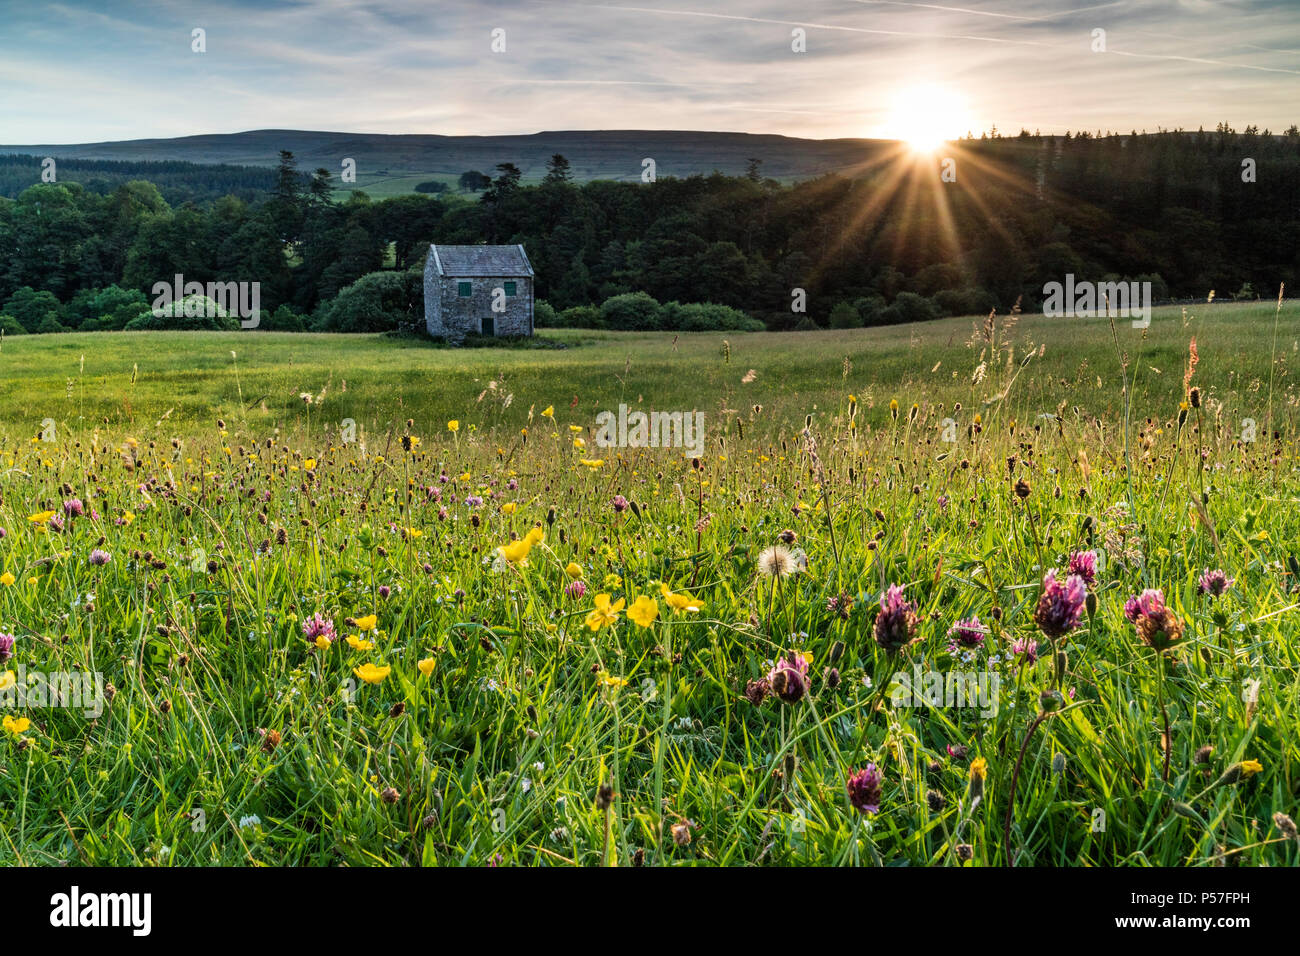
(983, 227)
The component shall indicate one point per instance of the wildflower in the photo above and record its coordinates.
(41, 517)
(680, 602)
(756, 691)
(1157, 626)
(604, 612)
(976, 776)
(323, 643)
(316, 627)
(367, 623)
(251, 820)
(574, 570)
(788, 678)
(73, 508)
(426, 665)
(359, 644)
(681, 833)
(99, 558)
(548, 411)
(1084, 564)
(575, 589)
(779, 561)
(7, 579)
(620, 504)
(1027, 648)
(370, 673)
(509, 508)
(895, 625)
(15, 725)
(606, 679)
(1239, 771)
(7, 679)
(643, 610)
(7, 642)
(966, 635)
(865, 790)
(1061, 606)
(1214, 583)
(516, 552)
(453, 426)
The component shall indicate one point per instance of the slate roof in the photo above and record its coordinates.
(481, 260)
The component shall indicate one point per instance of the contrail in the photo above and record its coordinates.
(818, 26)
(988, 13)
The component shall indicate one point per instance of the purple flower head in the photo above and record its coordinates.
(896, 623)
(865, 789)
(1214, 583)
(966, 635)
(788, 678)
(620, 504)
(1157, 626)
(73, 508)
(317, 626)
(473, 501)
(56, 524)
(100, 558)
(1026, 647)
(384, 590)
(1061, 607)
(6, 647)
(575, 589)
(512, 484)
(1084, 564)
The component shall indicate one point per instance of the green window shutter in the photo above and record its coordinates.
(465, 288)
(510, 288)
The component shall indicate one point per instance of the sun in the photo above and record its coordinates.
(925, 117)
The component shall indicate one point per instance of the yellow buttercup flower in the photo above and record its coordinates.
(604, 612)
(310, 464)
(606, 679)
(41, 517)
(680, 602)
(509, 508)
(7, 679)
(574, 570)
(15, 725)
(370, 673)
(7, 579)
(323, 643)
(643, 611)
(516, 552)
(548, 411)
(426, 665)
(453, 426)
(367, 623)
(358, 644)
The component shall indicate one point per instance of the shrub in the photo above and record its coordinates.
(580, 317)
(869, 308)
(11, 326)
(844, 316)
(285, 319)
(377, 302)
(967, 301)
(705, 317)
(544, 316)
(194, 313)
(51, 324)
(806, 324)
(632, 312)
(908, 307)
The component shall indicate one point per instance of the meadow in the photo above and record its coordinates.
(363, 600)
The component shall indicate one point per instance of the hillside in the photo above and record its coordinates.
(394, 164)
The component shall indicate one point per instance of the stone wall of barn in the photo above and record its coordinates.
(455, 315)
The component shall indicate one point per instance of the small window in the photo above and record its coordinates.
(464, 289)
(510, 288)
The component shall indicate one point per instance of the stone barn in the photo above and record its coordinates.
(485, 290)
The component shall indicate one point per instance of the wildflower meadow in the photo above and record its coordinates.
(1006, 591)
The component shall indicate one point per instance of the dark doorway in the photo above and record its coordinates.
(490, 326)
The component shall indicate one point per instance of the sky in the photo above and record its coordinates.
(78, 72)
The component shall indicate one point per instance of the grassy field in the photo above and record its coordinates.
(467, 633)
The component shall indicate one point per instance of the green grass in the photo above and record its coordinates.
(497, 754)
